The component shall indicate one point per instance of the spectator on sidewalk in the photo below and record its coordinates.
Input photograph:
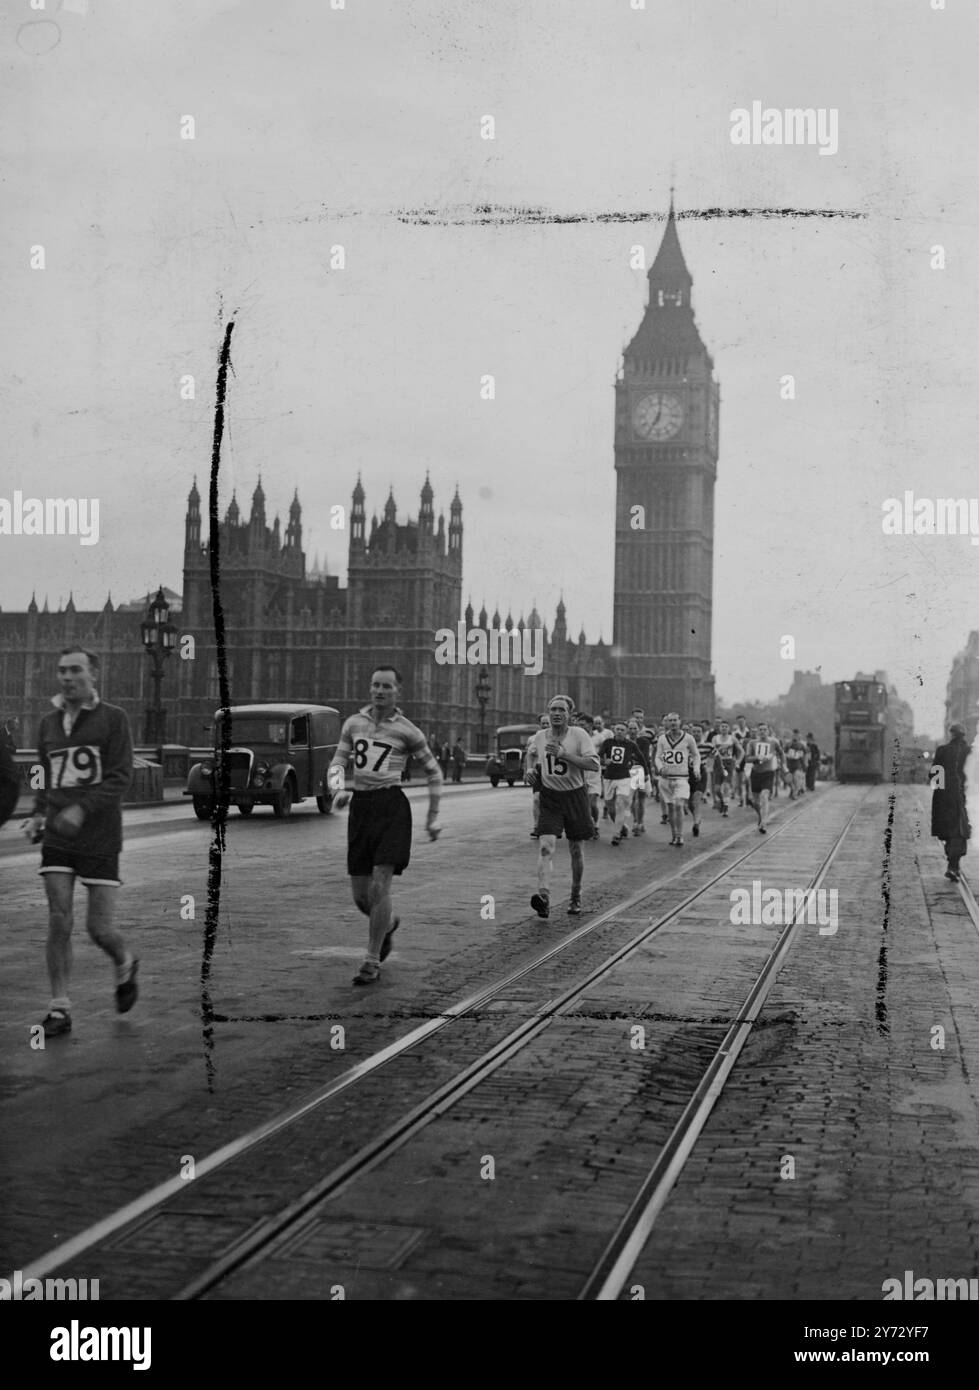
(10, 786)
(949, 817)
(445, 758)
(813, 766)
(458, 761)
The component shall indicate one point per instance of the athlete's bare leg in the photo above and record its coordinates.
(102, 899)
(60, 889)
(373, 896)
(577, 866)
(545, 862)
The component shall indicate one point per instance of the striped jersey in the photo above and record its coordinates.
(379, 751)
(727, 748)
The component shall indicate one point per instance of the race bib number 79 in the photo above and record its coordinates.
(75, 767)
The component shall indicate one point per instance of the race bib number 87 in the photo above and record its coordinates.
(75, 767)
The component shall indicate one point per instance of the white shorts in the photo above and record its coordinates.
(620, 791)
(593, 783)
(674, 791)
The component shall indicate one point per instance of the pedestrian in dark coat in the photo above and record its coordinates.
(458, 761)
(949, 817)
(10, 784)
(813, 767)
(445, 758)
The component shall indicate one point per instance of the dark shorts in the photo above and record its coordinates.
(698, 784)
(723, 770)
(565, 812)
(378, 831)
(762, 782)
(92, 869)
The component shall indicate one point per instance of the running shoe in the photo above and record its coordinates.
(368, 974)
(762, 830)
(541, 903)
(636, 831)
(127, 992)
(385, 950)
(574, 906)
(949, 874)
(535, 834)
(57, 1022)
(678, 843)
(696, 831)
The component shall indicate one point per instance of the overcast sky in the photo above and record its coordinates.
(316, 127)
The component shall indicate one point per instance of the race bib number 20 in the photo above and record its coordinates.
(75, 767)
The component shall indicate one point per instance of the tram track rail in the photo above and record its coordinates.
(969, 899)
(271, 1230)
(611, 1272)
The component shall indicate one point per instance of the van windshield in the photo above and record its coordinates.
(250, 729)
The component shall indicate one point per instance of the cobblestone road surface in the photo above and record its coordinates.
(843, 1151)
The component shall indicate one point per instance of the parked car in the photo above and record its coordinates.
(279, 755)
(507, 763)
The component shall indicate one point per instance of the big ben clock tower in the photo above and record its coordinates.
(666, 417)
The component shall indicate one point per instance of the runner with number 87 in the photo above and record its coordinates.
(379, 740)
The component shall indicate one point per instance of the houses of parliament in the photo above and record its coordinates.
(297, 634)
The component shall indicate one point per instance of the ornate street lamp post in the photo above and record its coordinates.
(159, 639)
(483, 690)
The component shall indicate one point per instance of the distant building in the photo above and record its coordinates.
(667, 408)
(962, 692)
(803, 683)
(30, 643)
(295, 633)
(298, 636)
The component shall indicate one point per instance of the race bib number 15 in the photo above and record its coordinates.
(75, 767)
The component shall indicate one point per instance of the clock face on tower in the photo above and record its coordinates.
(658, 415)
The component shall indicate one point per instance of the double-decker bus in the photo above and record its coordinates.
(862, 742)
